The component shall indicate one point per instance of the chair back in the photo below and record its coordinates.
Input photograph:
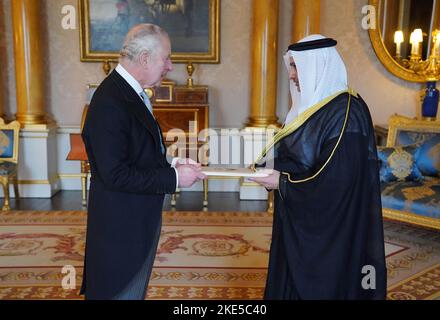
(9, 140)
(405, 131)
(83, 116)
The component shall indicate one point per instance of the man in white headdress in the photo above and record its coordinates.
(327, 227)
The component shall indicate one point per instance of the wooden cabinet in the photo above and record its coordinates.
(182, 112)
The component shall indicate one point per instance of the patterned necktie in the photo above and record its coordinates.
(150, 108)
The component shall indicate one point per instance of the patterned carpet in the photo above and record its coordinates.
(201, 255)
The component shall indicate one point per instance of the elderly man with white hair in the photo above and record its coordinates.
(327, 240)
(130, 171)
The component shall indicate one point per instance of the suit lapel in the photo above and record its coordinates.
(136, 106)
(161, 134)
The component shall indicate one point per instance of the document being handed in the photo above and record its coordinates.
(236, 172)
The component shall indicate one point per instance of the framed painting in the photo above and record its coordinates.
(193, 27)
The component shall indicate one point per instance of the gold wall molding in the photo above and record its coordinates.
(37, 182)
(33, 182)
(52, 179)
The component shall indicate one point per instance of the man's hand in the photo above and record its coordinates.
(182, 161)
(270, 182)
(189, 174)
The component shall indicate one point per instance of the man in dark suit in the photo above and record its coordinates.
(130, 172)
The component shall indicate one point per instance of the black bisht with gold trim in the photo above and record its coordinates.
(327, 240)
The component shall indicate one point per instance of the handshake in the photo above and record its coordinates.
(189, 172)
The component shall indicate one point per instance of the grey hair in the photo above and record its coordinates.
(142, 37)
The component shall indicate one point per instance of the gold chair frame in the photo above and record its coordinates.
(397, 123)
(12, 177)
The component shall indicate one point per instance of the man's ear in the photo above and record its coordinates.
(144, 59)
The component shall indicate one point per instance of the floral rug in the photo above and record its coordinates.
(201, 255)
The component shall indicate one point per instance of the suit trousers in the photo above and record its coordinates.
(137, 288)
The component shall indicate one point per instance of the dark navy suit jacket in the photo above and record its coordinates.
(129, 178)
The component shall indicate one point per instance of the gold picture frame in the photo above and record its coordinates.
(193, 29)
(384, 55)
(162, 93)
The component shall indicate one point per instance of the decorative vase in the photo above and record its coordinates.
(430, 101)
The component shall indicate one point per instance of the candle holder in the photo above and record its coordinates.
(429, 68)
(190, 69)
(398, 39)
(106, 67)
